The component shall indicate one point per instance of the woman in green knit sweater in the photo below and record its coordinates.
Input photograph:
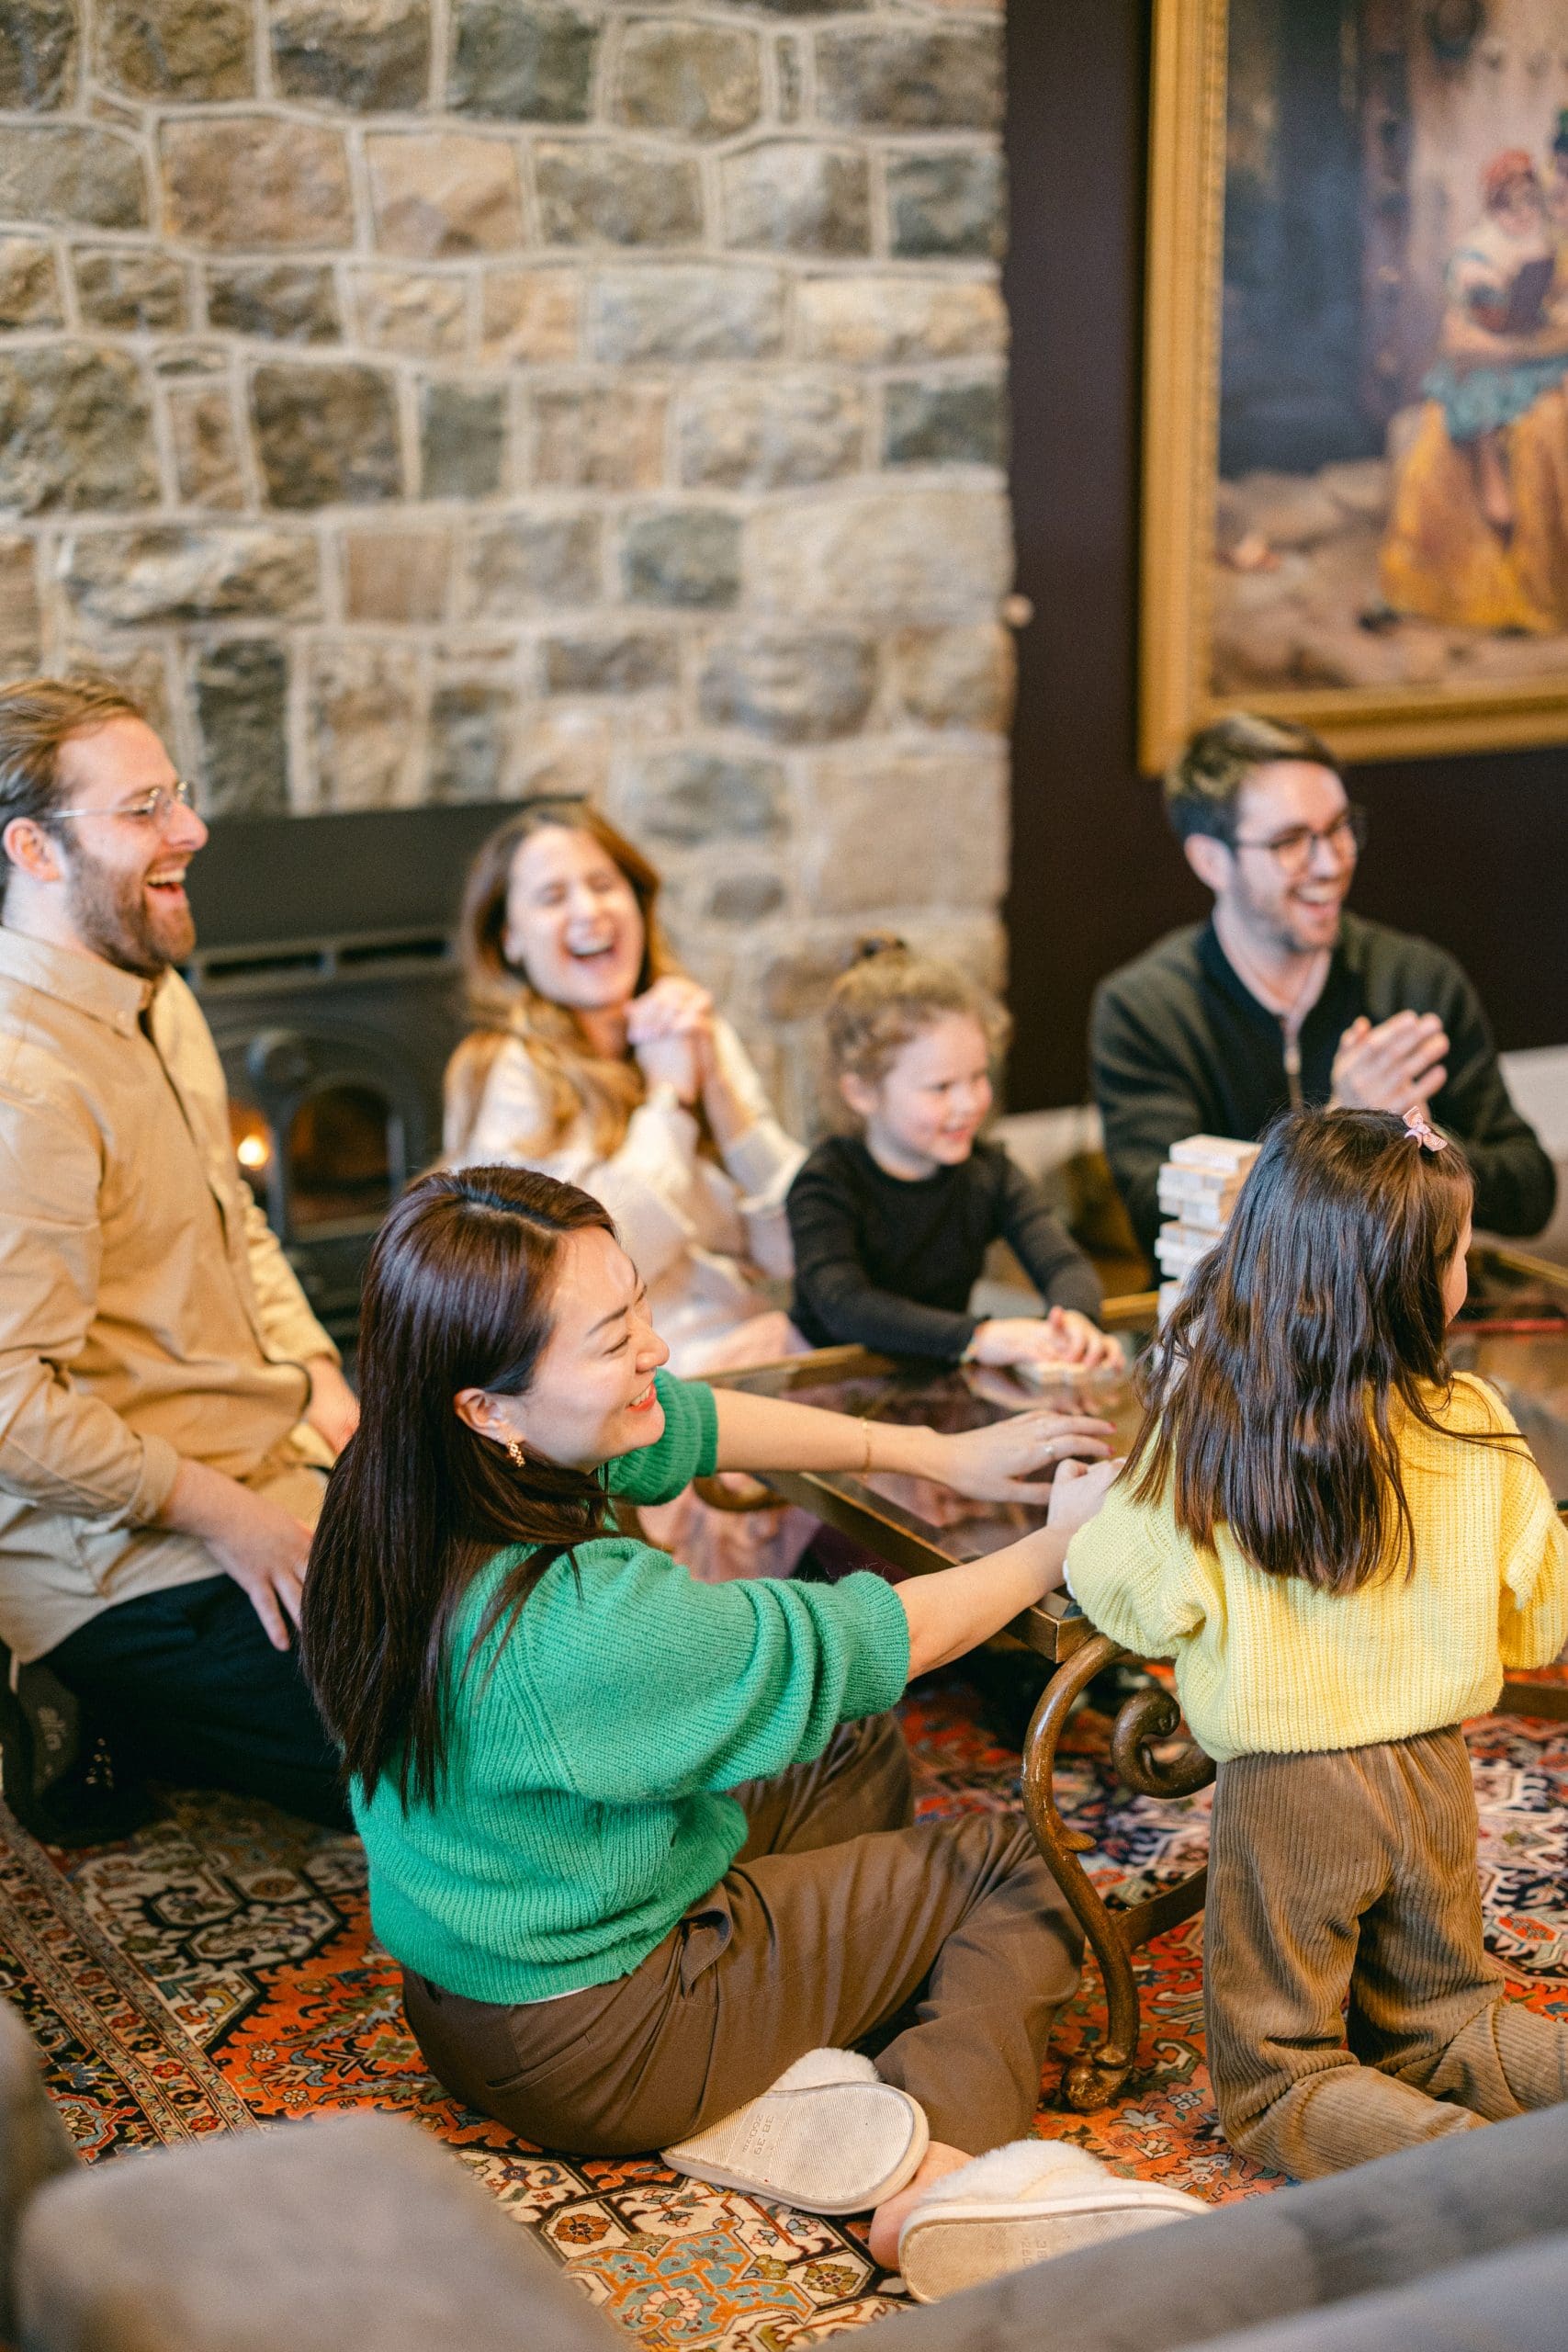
(642, 1844)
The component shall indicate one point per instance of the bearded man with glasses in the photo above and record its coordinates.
(1281, 998)
(168, 1402)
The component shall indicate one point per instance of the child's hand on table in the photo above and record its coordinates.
(1007, 1460)
(1063, 1339)
(1082, 1344)
(1079, 1489)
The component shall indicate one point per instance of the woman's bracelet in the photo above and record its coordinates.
(865, 1433)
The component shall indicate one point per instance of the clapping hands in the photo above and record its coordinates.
(669, 1029)
(1399, 1064)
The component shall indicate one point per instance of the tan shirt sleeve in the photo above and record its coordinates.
(284, 1309)
(59, 1447)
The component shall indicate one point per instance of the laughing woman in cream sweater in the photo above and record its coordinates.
(595, 1059)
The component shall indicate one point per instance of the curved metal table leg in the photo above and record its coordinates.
(1097, 2075)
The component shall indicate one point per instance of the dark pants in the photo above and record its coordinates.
(836, 1913)
(185, 1686)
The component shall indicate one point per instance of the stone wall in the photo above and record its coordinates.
(430, 399)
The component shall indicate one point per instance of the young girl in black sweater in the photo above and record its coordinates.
(891, 1225)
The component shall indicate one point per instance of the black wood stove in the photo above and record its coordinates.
(326, 964)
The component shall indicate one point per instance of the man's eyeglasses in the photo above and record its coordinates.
(154, 807)
(1293, 851)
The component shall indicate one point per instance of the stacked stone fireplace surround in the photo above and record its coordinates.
(428, 401)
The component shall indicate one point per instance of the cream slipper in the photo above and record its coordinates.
(1016, 2206)
(830, 2137)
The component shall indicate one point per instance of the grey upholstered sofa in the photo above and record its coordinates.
(358, 2234)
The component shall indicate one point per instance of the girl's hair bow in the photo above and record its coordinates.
(1418, 1130)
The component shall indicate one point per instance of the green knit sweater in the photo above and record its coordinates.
(583, 1807)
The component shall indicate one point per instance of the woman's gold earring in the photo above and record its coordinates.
(515, 1454)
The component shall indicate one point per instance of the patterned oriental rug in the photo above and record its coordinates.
(217, 1974)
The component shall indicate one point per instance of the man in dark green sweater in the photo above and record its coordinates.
(1283, 998)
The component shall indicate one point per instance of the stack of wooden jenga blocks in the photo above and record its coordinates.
(1197, 1189)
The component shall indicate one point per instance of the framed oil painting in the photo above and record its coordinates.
(1355, 415)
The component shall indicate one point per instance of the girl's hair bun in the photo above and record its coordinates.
(876, 943)
(887, 993)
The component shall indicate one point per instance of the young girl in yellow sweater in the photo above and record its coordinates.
(1342, 1542)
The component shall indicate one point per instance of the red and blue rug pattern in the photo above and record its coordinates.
(217, 1972)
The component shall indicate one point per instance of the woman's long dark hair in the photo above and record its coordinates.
(1272, 1394)
(457, 1295)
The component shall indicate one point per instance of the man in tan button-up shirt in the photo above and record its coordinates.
(168, 1403)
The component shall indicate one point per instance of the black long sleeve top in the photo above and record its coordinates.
(890, 1262)
(1179, 1046)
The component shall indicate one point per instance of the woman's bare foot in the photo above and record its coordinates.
(889, 2218)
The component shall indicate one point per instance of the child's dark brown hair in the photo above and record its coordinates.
(1274, 1394)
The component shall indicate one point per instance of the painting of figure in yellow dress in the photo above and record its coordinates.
(1478, 535)
(1356, 469)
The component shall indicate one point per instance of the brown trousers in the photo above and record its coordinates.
(1350, 2005)
(835, 1914)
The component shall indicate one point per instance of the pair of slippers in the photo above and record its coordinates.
(831, 2137)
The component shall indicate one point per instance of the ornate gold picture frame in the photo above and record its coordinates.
(1375, 546)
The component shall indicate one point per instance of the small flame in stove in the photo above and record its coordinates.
(252, 1137)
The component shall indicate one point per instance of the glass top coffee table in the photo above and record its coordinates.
(917, 1526)
(1515, 1332)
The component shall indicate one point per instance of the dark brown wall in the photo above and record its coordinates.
(1470, 852)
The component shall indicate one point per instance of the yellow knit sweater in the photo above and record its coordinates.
(1269, 1665)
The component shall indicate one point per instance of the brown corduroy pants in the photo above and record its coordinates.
(1350, 2006)
(838, 1911)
